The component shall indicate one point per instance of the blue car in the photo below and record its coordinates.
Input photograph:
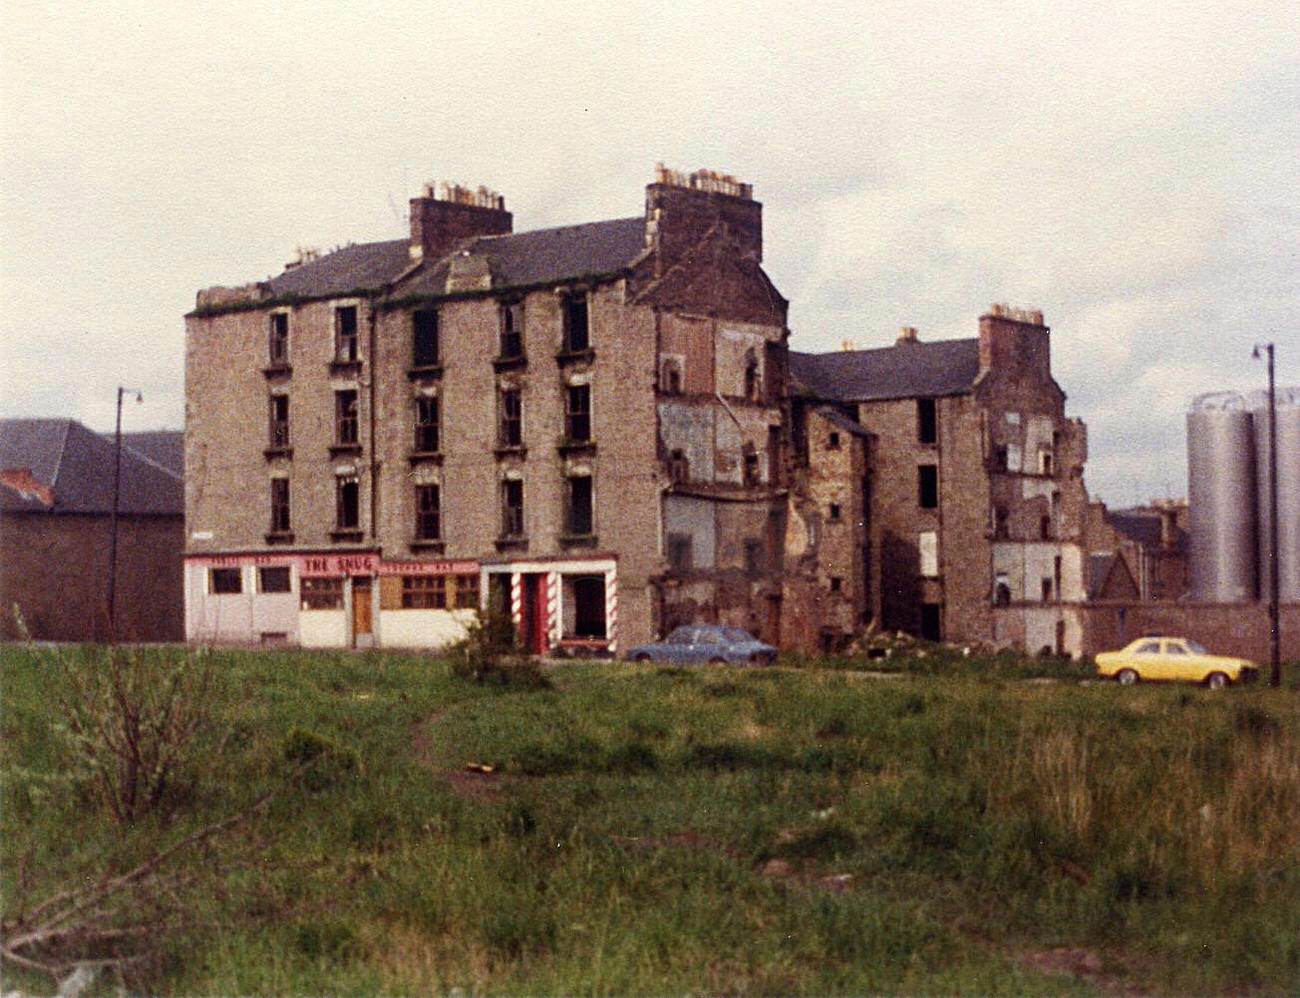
(706, 643)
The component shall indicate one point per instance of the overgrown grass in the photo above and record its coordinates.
(638, 830)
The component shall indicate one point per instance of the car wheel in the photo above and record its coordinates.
(761, 658)
(642, 657)
(1216, 680)
(1126, 677)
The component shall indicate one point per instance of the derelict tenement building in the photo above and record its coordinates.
(582, 426)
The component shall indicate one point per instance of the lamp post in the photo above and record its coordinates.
(117, 493)
(1275, 670)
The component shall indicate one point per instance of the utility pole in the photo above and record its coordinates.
(1275, 651)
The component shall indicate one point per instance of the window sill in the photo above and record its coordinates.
(425, 457)
(427, 546)
(424, 372)
(346, 535)
(345, 368)
(345, 450)
(566, 357)
(280, 537)
(509, 363)
(577, 540)
(277, 372)
(513, 450)
(512, 543)
(271, 453)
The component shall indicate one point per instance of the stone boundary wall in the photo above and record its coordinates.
(1224, 628)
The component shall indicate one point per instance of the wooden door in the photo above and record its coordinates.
(362, 613)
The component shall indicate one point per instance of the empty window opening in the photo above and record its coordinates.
(931, 622)
(837, 583)
(347, 504)
(280, 523)
(927, 421)
(672, 377)
(753, 383)
(278, 339)
(1001, 589)
(577, 335)
(834, 514)
(833, 440)
(577, 414)
(927, 485)
(274, 579)
(346, 421)
(755, 562)
(580, 514)
(512, 508)
(751, 467)
(278, 421)
(679, 552)
(679, 468)
(426, 424)
(424, 337)
(1045, 528)
(1000, 458)
(512, 418)
(1001, 520)
(1046, 587)
(345, 334)
(512, 330)
(225, 581)
(1045, 462)
(424, 592)
(428, 512)
(584, 606)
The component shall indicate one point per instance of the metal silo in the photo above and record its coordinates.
(1288, 492)
(1221, 498)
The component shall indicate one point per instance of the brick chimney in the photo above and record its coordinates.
(1015, 341)
(906, 335)
(441, 219)
(680, 209)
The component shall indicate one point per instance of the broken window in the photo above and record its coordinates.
(512, 508)
(278, 422)
(512, 330)
(424, 592)
(346, 423)
(279, 505)
(424, 337)
(347, 503)
(927, 421)
(576, 331)
(580, 514)
(345, 334)
(278, 339)
(426, 424)
(322, 594)
(225, 581)
(927, 486)
(428, 512)
(577, 414)
(511, 407)
(274, 579)
(679, 552)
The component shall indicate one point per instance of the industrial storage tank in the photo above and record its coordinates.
(1221, 493)
(1288, 492)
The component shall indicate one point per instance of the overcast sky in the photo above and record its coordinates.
(1132, 170)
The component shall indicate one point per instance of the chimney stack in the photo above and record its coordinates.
(1015, 341)
(681, 209)
(906, 334)
(443, 217)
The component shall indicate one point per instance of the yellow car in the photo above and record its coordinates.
(1157, 658)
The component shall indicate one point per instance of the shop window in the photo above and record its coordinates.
(584, 603)
(577, 334)
(927, 421)
(577, 414)
(512, 508)
(278, 422)
(426, 424)
(424, 337)
(428, 512)
(927, 486)
(511, 412)
(467, 592)
(225, 581)
(424, 592)
(345, 334)
(274, 579)
(347, 503)
(321, 594)
(580, 514)
(277, 337)
(512, 330)
(346, 421)
(280, 523)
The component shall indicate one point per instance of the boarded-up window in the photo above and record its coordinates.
(424, 592)
(928, 543)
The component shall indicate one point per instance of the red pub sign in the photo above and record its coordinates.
(330, 565)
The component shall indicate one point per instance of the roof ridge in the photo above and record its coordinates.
(555, 228)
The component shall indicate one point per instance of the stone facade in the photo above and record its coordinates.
(582, 427)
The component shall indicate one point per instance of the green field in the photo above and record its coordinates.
(955, 827)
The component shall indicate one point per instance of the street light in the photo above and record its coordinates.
(117, 492)
(1275, 673)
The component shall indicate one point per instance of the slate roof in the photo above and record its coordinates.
(1142, 526)
(545, 256)
(77, 464)
(907, 370)
(165, 448)
(361, 267)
